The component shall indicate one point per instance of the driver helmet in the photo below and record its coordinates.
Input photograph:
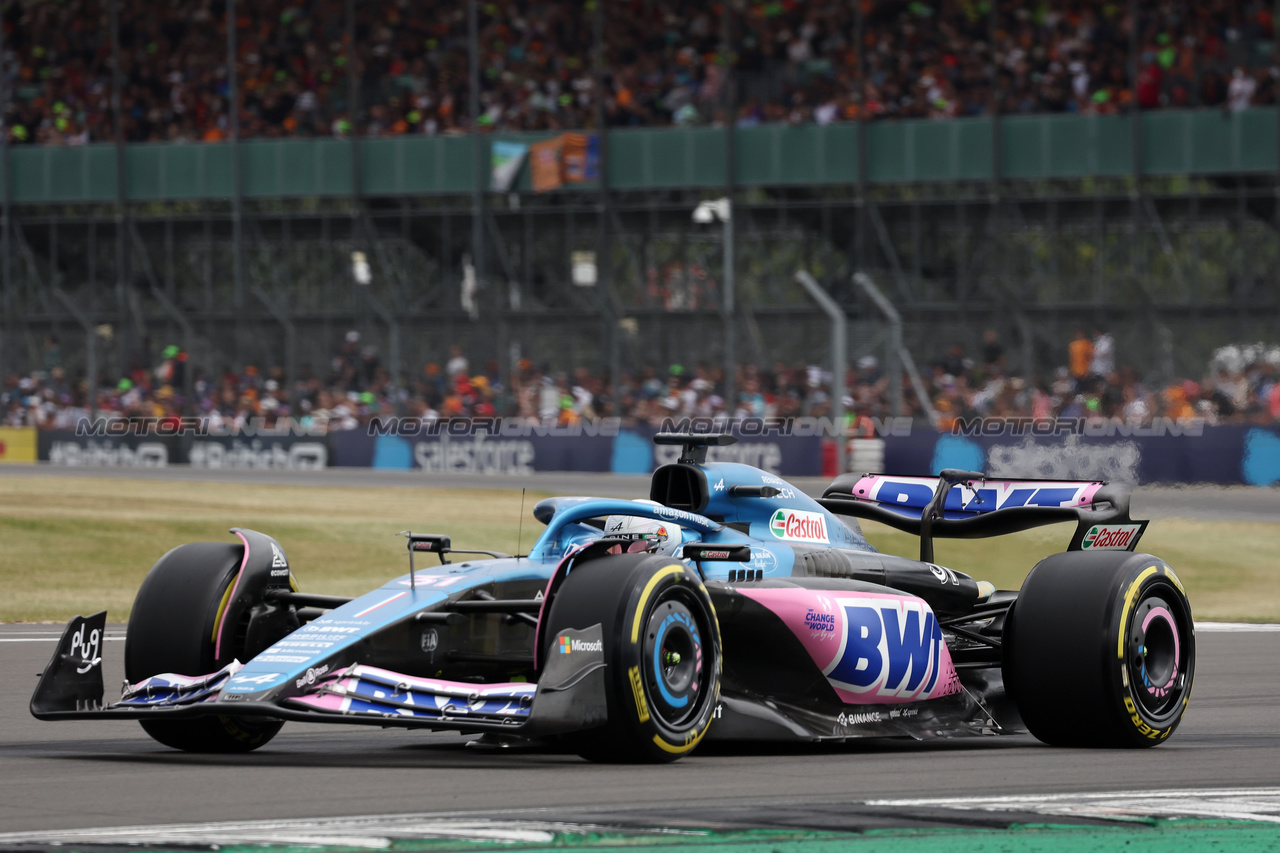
(666, 536)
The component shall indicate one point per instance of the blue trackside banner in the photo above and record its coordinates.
(1225, 454)
(502, 449)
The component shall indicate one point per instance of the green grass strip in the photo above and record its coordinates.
(1143, 836)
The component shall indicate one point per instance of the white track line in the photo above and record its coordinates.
(382, 831)
(374, 832)
(1256, 804)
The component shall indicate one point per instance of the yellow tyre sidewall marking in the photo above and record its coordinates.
(637, 690)
(1129, 705)
(648, 591)
(1128, 605)
(691, 739)
(690, 743)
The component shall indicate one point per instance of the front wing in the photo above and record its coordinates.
(569, 695)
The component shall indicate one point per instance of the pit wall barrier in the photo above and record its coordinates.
(1226, 455)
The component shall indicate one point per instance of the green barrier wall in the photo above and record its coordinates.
(1032, 147)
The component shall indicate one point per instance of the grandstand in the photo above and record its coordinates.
(518, 180)
(664, 63)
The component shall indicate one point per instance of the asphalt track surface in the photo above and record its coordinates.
(1203, 503)
(83, 774)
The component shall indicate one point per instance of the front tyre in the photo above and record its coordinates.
(662, 649)
(172, 628)
(1099, 650)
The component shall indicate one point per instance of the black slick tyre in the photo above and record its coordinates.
(1099, 650)
(662, 650)
(172, 626)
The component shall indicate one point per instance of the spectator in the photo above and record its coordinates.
(992, 349)
(955, 363)
(1102, 361)
(1240, 92)
(794, 63)
(1246, 390)
(1080, 355)
(457, 365)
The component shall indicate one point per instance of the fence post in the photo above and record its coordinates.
(237, 185)
(860, 203)
(604, 267)
(1139, 255)
(353, 106)
(730, 222)
(6, 204)
(122, 240)
(477, 149)
(839, 352)
(997, 149)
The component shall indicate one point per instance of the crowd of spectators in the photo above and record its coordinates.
(355, 387)
(793, 61)
(1092, 384)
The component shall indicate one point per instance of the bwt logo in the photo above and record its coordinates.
(888, 648)
(990, 497)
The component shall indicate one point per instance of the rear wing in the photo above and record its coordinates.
(968, 505)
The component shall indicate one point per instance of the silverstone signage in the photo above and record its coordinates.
(298, 453)
(481, 452)
(63, 447)
(1226, 454)
(147, 450)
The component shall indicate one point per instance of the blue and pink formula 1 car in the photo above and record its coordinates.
(729, 606)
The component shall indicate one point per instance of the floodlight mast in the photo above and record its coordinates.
(706, 213)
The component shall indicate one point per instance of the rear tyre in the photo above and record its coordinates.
(1099, 650)
(172, 628)
(662, 649)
